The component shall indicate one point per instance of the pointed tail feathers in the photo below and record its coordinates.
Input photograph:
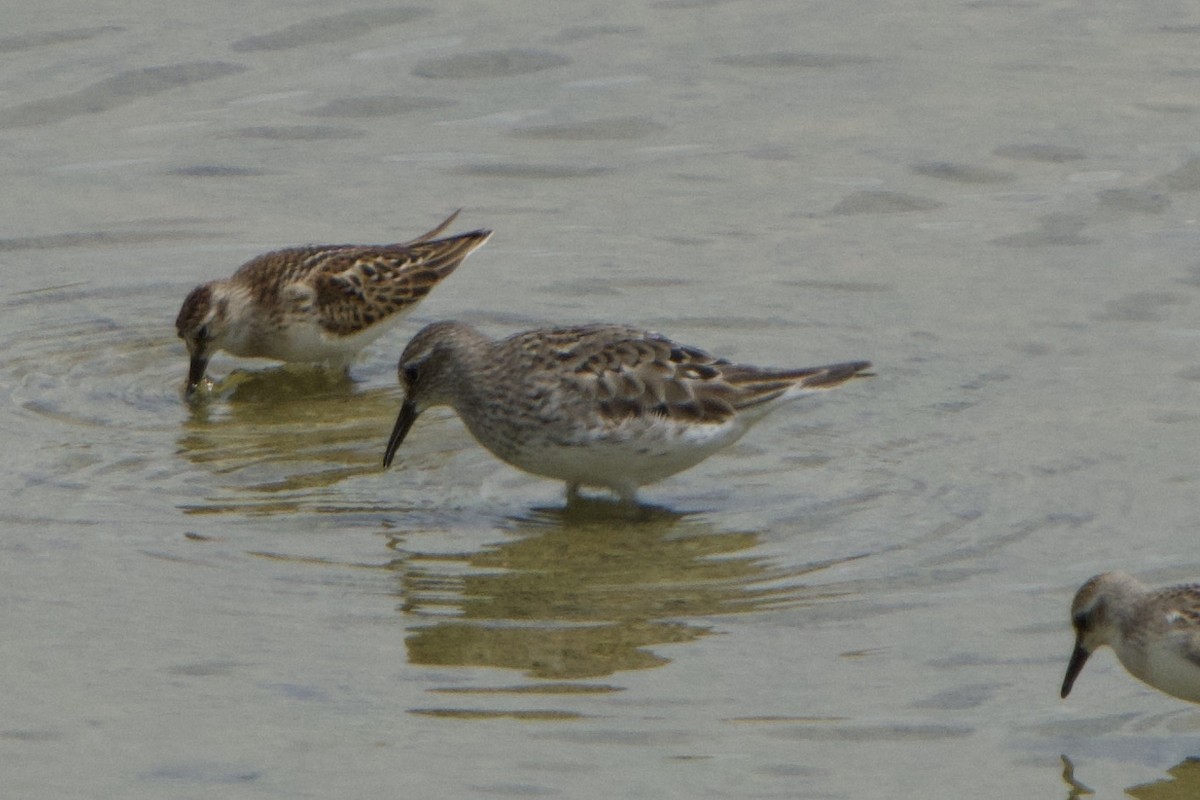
(444, 255)
(425, 237)
(760, 387)
(830, 375)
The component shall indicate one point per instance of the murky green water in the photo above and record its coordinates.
(867, 597)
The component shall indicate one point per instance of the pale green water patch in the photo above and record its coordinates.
(577, 594)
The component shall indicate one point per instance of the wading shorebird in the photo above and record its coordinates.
(317, 303)
(594, 405)
(1154, 632)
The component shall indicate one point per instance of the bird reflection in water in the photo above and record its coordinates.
(1184, 782)
(270, 442)
(574, 593)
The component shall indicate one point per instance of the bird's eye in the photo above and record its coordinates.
(411, 374)
(202, 333)
(1080, 620)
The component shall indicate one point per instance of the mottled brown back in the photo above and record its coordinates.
(351, 286)
(633, 373)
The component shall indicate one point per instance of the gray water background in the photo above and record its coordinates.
(996, 202)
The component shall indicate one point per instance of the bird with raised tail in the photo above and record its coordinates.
(603, 405)
(318, 303)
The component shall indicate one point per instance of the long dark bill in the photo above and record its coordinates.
(1079, 657)
(404, 421)
(195, 373)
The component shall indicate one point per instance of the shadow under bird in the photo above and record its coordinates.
(594, 405)
(1154, 632)
(317, 303)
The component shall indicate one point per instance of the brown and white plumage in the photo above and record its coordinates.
(318, 303)
(1154, 632)
(594, 405)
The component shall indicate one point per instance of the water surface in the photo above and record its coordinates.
(867, 597)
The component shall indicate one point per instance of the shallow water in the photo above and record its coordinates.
(996, 202)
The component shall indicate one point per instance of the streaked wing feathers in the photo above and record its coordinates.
(358, 286)
(633, 374)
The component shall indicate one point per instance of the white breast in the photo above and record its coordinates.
(632, 455)
(1165, 665)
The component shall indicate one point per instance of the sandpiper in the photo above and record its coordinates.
(1154, 632)
(594, 405)
(319, 303)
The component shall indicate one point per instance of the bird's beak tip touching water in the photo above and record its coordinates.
(195, 374)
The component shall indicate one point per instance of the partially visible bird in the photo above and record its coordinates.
(1154, 632)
